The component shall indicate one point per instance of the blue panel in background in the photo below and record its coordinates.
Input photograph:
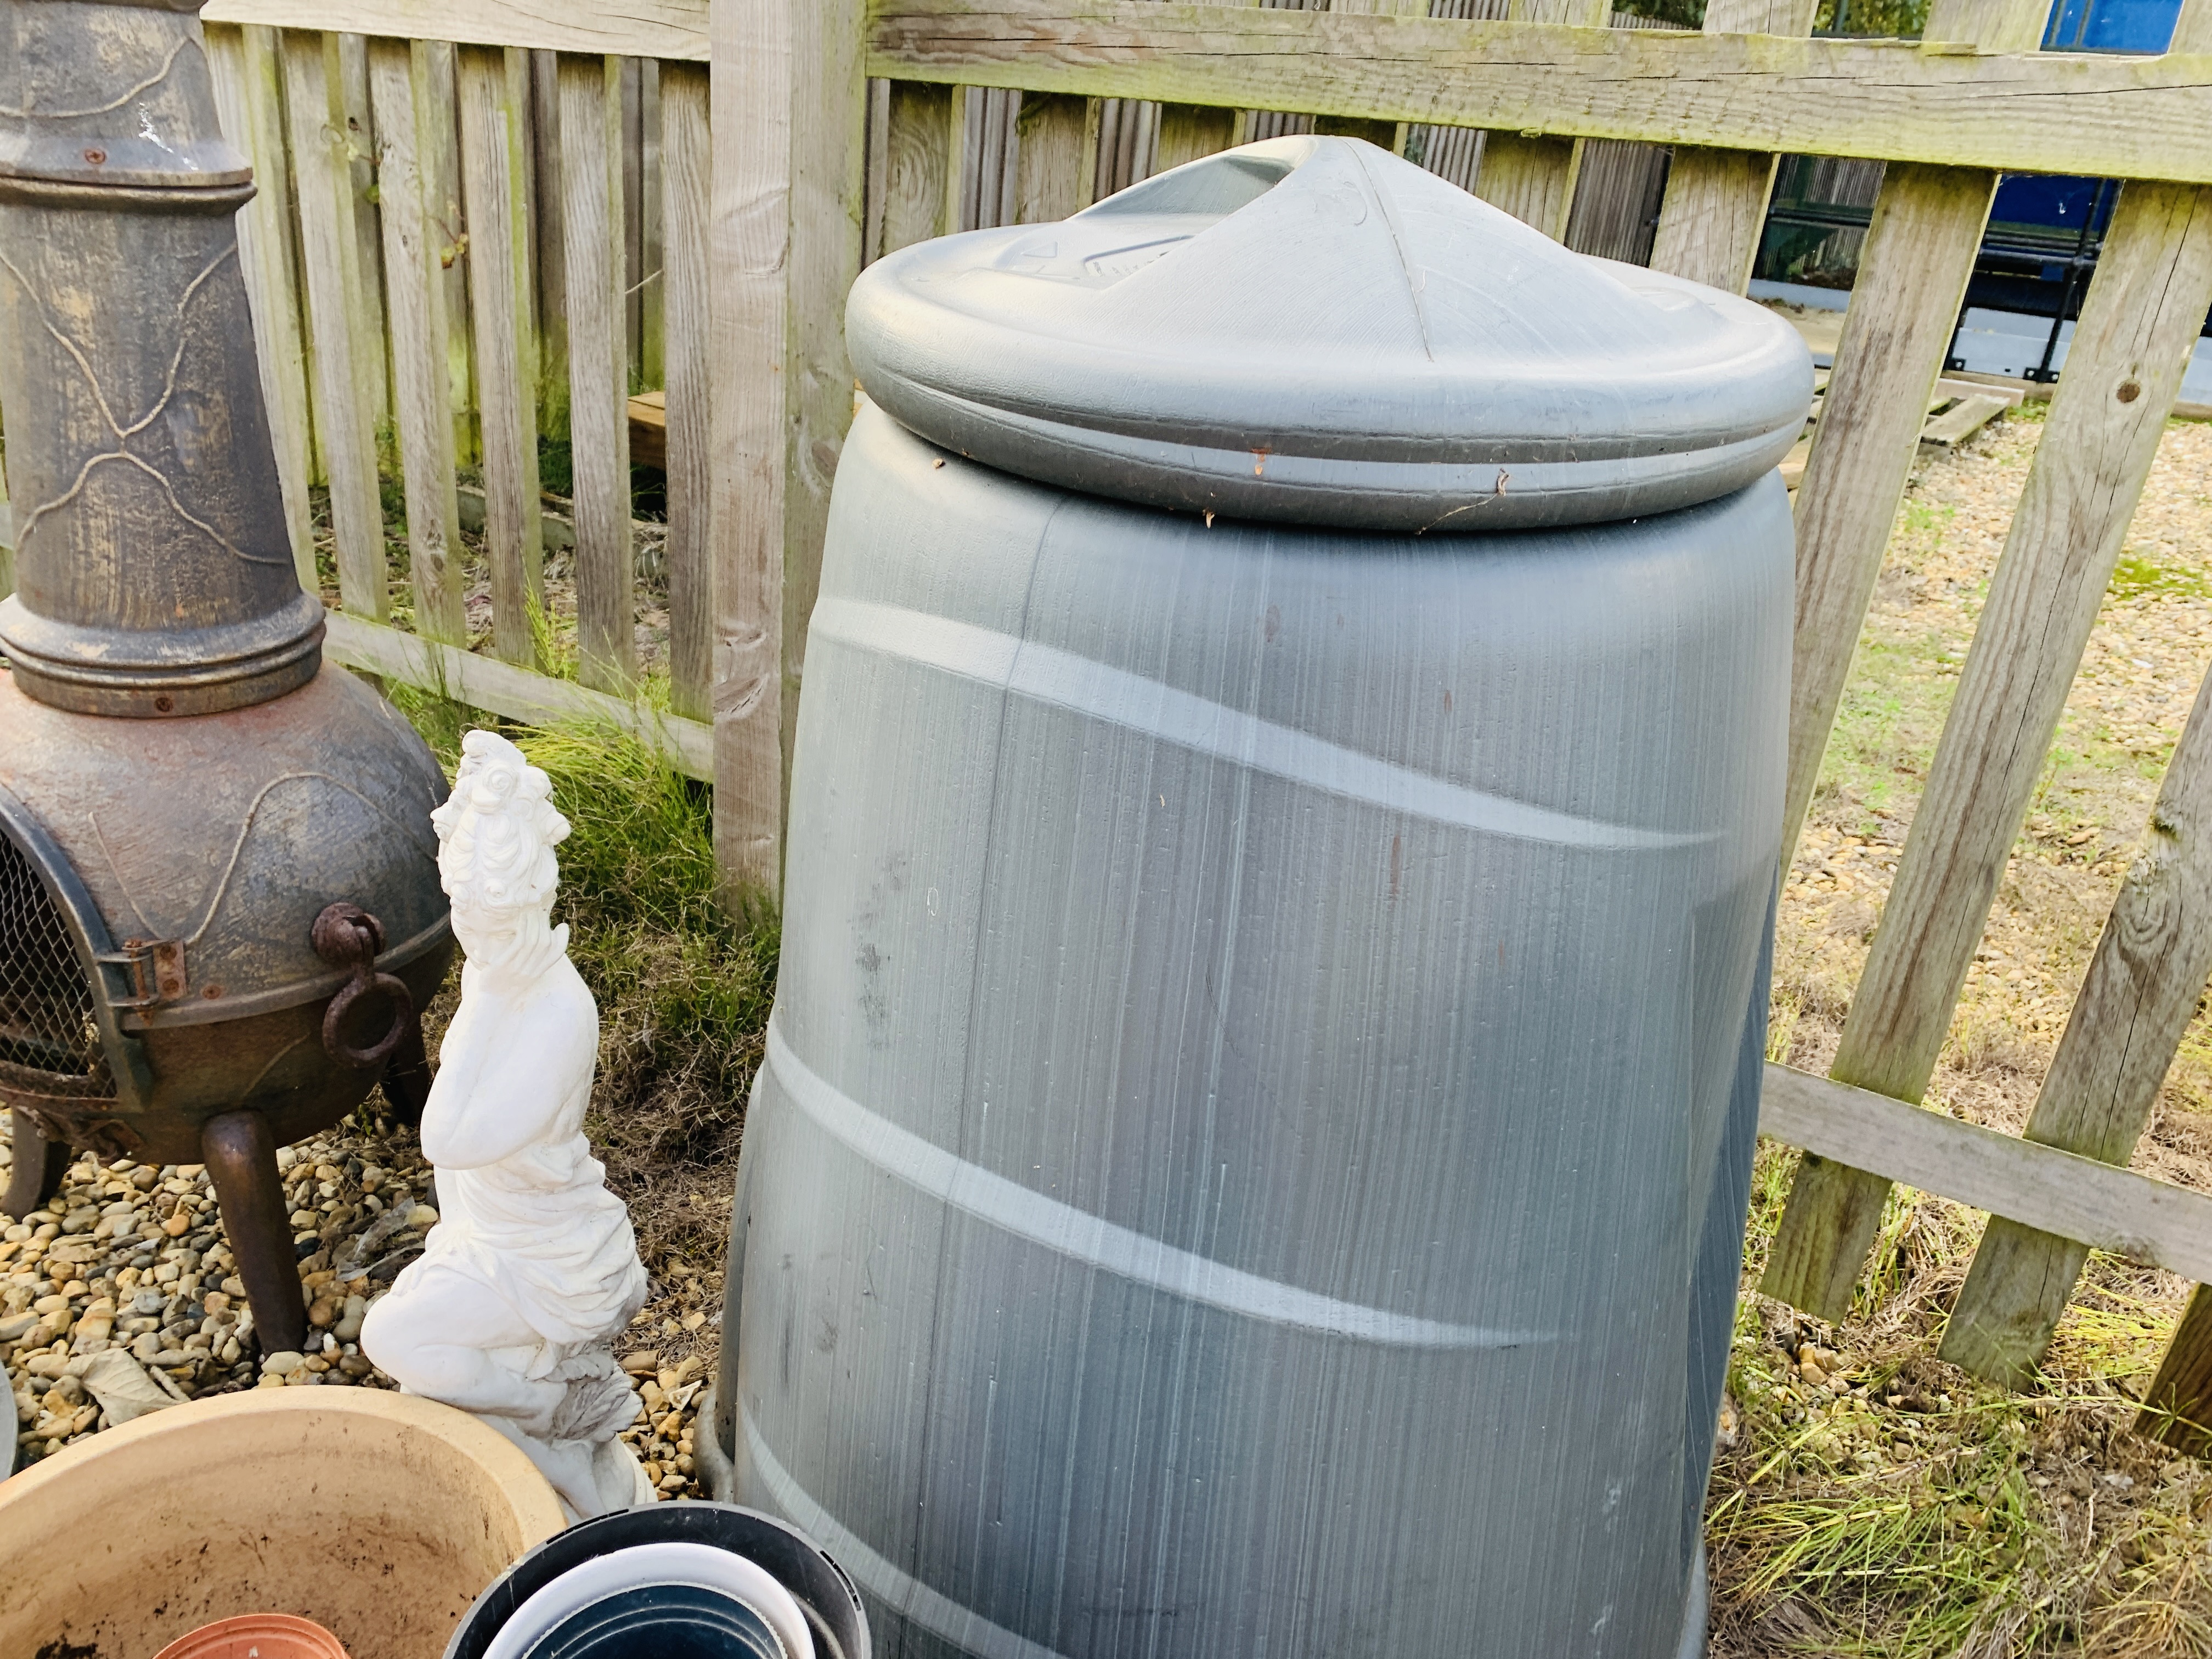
(2111, 25)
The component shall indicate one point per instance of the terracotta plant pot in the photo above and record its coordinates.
(257, 1636)
(380, 1516)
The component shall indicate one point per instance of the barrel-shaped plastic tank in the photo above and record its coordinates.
(1251, 1156)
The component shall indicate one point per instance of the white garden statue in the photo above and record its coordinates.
(531, 1271)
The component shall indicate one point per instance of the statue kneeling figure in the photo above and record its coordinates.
(531, 1272)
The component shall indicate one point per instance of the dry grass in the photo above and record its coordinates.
(1899, 1507)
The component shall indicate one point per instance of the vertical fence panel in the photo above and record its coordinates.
(595, 250)
(400, 90)
(1050, 183)
(686, 172)
(2145, 305)
(249, 100)
(345, 387)
(495, 96)
(438, 140)
(351, 120)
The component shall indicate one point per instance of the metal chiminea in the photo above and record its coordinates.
(219, 901)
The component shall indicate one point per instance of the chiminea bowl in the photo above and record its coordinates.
(158, 906)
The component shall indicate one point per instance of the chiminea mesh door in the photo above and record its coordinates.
(50, 1040)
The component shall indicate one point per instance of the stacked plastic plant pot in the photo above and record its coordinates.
(677, 1581)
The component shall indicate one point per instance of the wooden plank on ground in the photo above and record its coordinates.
(2151, 962)
(494, 93)
(249, 99)
(648, 429)
(687, 163)
(399, 89)
(1965, 417)
(1886, 101)
(2078, 1198)
(751, 252)
(2145, 304)
(344, 388)
(592, 247)
(642, 28)
(518, 694)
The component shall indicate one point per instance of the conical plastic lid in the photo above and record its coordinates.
(1312, 330)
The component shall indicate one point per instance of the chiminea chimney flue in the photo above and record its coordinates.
(153, 574)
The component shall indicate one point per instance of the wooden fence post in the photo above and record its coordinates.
(789, 203)
(2146, 303)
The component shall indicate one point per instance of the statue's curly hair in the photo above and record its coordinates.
(497, 831)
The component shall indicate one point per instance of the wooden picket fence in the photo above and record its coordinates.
(840, 131)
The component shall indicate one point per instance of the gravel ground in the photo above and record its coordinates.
(122, 1295)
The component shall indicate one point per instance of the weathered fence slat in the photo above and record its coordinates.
(637, 28)
(1913, 277)
(354, 127)
(2145, 304)
(344, 388)
(653, 230)
(495, 95)
(687, 162)
(2149, 969)
(917, 161)
(547, 221)
(599, 370)
(1053, 182)
(438, 141)
(1532, 179)
(245, 66)
(751, 119)
(399, 89)
(2178, 1408)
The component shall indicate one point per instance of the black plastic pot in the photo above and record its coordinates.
(824, 1594)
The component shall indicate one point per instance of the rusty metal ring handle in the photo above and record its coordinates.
(347, 936)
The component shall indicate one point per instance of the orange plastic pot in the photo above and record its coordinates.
(257, 1636)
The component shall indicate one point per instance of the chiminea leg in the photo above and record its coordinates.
(241, 1157)
(38, 1167)
(407, 1078)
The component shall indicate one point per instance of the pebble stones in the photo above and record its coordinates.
(127, 1269)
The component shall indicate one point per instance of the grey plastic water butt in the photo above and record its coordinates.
(1252, 1152)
